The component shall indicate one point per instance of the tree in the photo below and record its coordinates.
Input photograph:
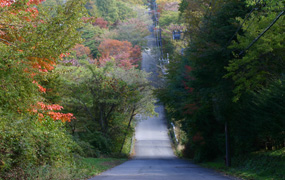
(92, 38)
(105, 100)
(33, 38)
(101, 23)
(25, 36)
(206, 105)
(256, 67)
(92, 8)
(121, 51)
(132, 30)
(125, 12)
(81, 51)
(108, 10)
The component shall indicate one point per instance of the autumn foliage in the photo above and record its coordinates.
(81, 50)
(121, 51)
(4, 3)
(101, 23)
(42, 110)
(19, 19)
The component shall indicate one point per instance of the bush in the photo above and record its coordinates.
(87, 150)
(26, 143)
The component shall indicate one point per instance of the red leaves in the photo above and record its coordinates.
(188, 68)
(136, 55)
(49, 107)
(42, 63)
(41, 89)
(101, 23)
(111, 47)
(61, 116)
(124, 54)
(43, 110)
(4, 3)
(63, 55)
(81, 50)
(36, 2)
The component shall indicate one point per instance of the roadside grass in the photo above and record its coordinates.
(255, 166)
(84, 168)
(89, 167)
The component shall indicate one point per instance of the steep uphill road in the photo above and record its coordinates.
(154, 158)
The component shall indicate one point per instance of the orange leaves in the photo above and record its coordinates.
(136, 55)
(61, 116)
(63, 55)
(42, 64)
(81, 50)
(41, 89)
(43, 110)
(124, 54)
(111, 47)
(49, 107)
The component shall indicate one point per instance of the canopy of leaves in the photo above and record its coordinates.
(122, 51)
(199, 93)
(264, 61)
(33, 38)
(112, 10)
(103, 100)
(134, 31)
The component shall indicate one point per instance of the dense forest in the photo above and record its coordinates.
(224, 87)
(71, 83)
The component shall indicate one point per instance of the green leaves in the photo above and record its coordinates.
(264, 60)
(102, 100)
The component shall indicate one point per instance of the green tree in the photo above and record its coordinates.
(168, 17)
(108, 10)
(91, 35)
(32, 39)
(105, 100)
(206, 106)
(264, 61)
(134, 31)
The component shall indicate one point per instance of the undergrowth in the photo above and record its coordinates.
(260, 165)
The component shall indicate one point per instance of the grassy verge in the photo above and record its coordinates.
(83, 168)
(89, 167)
(255, 166)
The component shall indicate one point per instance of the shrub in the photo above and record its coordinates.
(26, 143)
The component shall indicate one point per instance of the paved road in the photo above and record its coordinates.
(154, 158)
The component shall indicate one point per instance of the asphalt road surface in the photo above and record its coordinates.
(154, 158)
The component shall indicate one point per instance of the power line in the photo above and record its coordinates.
(253, 9)
(257, 38)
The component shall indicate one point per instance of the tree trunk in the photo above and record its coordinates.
(228, 157)
(125, 135)
(102, 119)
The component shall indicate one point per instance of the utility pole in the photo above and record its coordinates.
(228, 158)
